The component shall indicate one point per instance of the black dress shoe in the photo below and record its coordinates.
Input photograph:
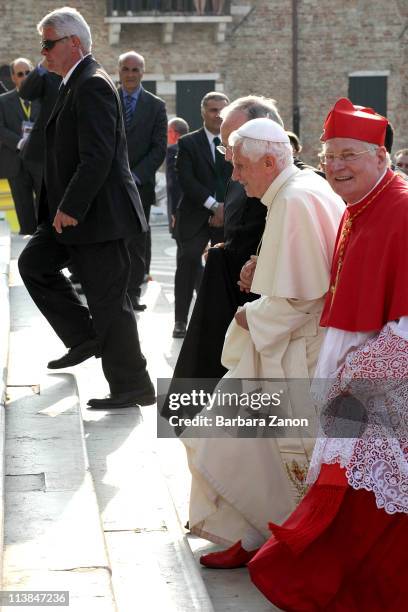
(136, 304)
(128, 399)
(179, 330)
(76, 354)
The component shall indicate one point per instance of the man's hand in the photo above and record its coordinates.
(173, 221)
(219, 245)
(217, 219)
(247, 274)
(62, 220)
(241, 318)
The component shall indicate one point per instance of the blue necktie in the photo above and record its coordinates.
(128, 110)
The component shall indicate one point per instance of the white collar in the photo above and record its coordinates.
(277, 183)
(210, 135)
(67, 76)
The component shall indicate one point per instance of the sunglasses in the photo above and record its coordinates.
(22, 73)
(47, 45)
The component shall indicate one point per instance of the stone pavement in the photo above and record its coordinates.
(101, 513)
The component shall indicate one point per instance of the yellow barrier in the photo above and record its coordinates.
(7, 204)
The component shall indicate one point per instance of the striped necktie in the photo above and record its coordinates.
(128, 110)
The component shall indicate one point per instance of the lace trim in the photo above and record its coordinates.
(377, 460)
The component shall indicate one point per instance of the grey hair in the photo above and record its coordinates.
(255, 149)
(254, 107)
(133, 54)
(213, 95)
(67, 21)
(17, 61)
(179, 125)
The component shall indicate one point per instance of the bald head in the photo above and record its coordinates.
(131, 70)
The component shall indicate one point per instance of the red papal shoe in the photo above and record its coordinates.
(233, 557)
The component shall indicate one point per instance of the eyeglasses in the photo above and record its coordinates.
(221, 149)
(22, 73)
(402, 165)
(47, 45)
(328, 158)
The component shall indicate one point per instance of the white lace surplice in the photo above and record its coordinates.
(376, 373)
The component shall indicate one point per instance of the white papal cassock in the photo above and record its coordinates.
(242, 483)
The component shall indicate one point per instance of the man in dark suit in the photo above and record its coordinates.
(177, 127)
(89, 208)
(203, 175)
(146, 134)
(16, 120)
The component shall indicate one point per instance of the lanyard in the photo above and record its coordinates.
(26, 109)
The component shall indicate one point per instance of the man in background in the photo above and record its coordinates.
(176, 127)
(203, 175)
(146, 133)
(17, 117)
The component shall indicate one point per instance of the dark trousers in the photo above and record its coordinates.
(189, 269)
(103, 270)
(140, 246)
(25, 189)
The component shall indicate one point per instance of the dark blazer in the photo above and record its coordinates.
(172, 182)
(87, 172)
(43, 86)
(11, 118)
(147, 138)
(196, 172)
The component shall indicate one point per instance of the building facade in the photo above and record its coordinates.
(303, 53)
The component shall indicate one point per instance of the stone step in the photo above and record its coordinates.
(53, 537)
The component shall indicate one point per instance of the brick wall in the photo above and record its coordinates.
(256, 57)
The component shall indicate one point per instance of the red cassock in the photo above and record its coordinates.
(372, 286)
(338, 552)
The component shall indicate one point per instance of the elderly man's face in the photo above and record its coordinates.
(231, 123)
(20, 71)
(131, 72)
(64, 54)
(255, 176)
(352, 180)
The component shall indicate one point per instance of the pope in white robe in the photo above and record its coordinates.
(239, 485)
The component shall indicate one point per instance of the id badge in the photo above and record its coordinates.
(26, 128)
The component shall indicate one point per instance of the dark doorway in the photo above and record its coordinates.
(188, 98)
(369, 91)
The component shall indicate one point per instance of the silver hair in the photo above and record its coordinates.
(133, 54)
(17, 61)
(254, 107)
(255, 149)
(67, 21)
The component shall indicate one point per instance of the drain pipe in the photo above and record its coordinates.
(295, 75)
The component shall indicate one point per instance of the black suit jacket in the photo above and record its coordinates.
(43, 86)
(196, 172)
(11, 118)
(87, 172)
(147, 140)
